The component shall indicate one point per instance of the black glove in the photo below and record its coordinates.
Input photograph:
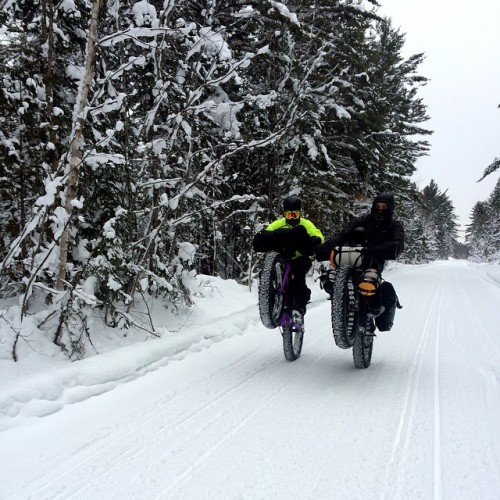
(315, 241)
(309, 245)
(264, 241)
(293, 238)
(283, 239)
(322, 252)
(385, 251)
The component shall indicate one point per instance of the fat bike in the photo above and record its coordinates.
(352, 316)
(275, 306)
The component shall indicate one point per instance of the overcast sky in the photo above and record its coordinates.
(462, 46)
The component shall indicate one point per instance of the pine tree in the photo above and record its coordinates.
(483, 234)
(441, 219)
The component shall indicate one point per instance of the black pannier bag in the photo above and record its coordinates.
(389, 300)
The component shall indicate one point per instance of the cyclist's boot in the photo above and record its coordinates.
(375, 311)
(370, 282)
(326, 283)
(373, 306)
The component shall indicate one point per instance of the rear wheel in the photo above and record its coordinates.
(363, 344)
(270, 296)
(293, 337)
(344, 314)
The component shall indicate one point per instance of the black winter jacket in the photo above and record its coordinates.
(384, 240)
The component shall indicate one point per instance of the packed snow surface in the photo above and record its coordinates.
(214, 411)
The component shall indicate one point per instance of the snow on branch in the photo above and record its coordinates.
(134, 34)
(283, 10)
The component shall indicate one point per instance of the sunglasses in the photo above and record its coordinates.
(292, 214)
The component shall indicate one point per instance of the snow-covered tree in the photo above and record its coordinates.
(483, 233)
(441, 219)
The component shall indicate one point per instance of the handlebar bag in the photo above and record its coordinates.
(346, 256)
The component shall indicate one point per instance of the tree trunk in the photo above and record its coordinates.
(49, 82)
(75, 150)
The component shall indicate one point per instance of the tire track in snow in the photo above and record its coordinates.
(107, 442)
(401, 445)
(490, 373)
(165, 493)
(109, 446)
(481, 328)
(238, 384)
(437, 483)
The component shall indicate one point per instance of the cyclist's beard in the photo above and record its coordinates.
(294, 222)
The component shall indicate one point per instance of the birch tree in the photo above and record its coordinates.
(74, 158)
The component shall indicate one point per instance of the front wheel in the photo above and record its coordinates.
(270, 293)
(363, 344)
(344, 313)
(293, 337)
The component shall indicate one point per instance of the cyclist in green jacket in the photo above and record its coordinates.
(295, 237)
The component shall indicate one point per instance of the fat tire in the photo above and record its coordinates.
(293, 337)
(344, 317)
(363, 345)
(270, 297)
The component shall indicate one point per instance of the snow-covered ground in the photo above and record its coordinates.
(213, 411)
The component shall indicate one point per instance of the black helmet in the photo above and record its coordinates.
(292, 203)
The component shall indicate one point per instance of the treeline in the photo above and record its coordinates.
(483, 233)
(144, 141)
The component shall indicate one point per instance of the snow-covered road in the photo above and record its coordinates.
(233, 420)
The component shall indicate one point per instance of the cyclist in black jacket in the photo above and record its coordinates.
(379, 231)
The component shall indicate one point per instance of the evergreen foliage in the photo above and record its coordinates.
(483, 233)
(493, 167)
(441, 219)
